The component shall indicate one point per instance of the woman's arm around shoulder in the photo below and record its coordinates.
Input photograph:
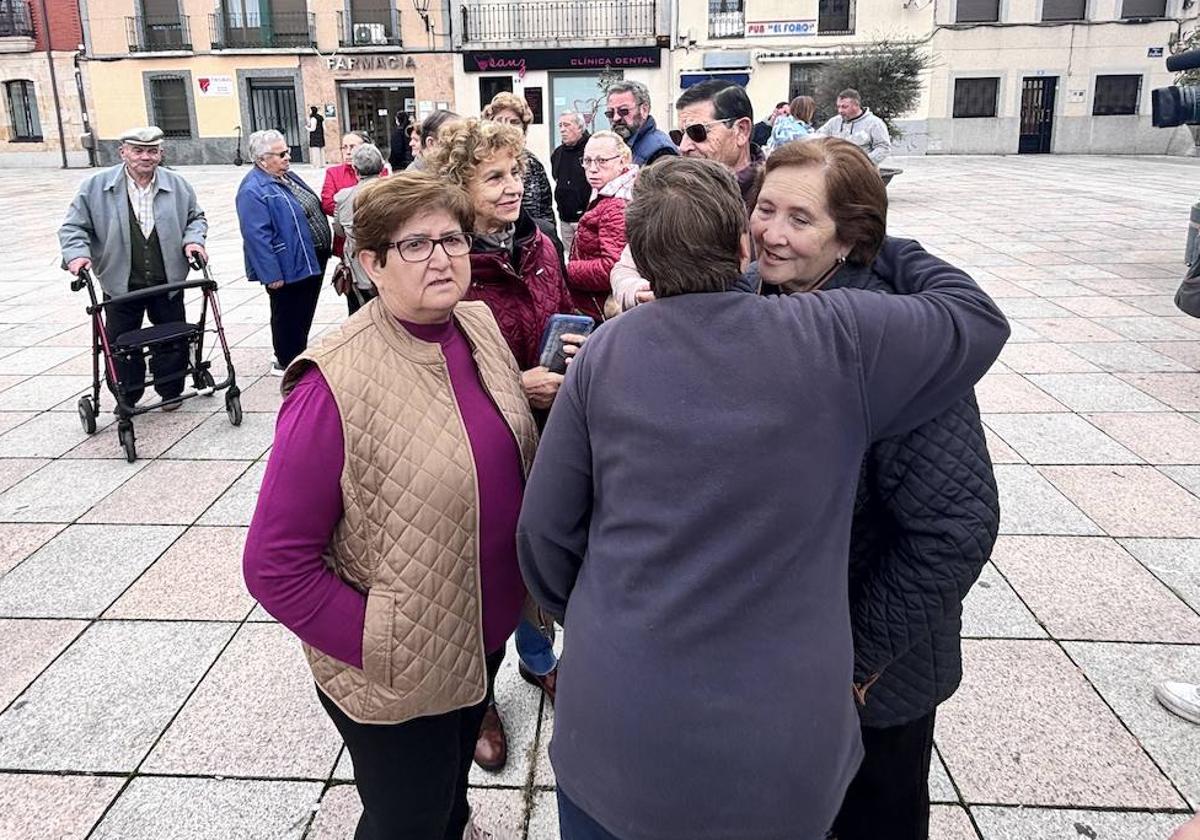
(925, 347)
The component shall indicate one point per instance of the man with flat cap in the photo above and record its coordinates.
(135, 226)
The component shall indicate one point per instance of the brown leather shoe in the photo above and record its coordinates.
(491, 748)
(548, 683)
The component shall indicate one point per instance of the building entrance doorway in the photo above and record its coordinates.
(1037, 114)
(371, 109)
(273, 105)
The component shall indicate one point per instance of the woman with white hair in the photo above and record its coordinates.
(286, 241)
(368, 167)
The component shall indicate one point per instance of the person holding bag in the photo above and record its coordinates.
(350, 278)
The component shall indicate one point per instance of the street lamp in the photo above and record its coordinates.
(422, 9)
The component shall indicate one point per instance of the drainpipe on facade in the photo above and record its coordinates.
(62, 137)
(87, 121)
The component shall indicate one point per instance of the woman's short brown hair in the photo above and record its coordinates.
(856, 195)
(803, 108)
(464, 144)
(384, 206)
(505, 101)
(684, 226)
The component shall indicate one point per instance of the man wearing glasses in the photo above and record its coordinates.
(136, 225)
(629, 113)
(717, 120)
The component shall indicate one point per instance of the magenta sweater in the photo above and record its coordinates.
(300, 505)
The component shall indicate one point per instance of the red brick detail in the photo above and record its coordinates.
(66, 30)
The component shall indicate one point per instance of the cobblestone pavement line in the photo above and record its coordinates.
(145, 696)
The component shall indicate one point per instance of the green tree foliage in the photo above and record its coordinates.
(887, 73)
(1190, 41)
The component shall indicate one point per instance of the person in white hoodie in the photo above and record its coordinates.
(859, 126)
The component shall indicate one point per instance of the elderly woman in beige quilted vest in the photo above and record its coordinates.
(385, 530)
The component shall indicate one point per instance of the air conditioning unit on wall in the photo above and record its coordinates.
(366, 34)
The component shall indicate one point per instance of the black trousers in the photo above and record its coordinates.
(412, 776)
(165, 360)
(889, 798)
(292, 308)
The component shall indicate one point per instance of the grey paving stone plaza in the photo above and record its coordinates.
(145, 696)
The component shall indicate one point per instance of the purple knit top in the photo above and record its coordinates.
(300, 505)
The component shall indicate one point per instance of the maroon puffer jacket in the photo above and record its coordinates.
(599, 240)
(522, 302)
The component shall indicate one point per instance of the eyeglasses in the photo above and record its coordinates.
(623, 112)
(698, 132)
(283, 154)
(420, 248)
(588, 162)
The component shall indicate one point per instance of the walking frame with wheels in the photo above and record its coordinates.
(148, 341)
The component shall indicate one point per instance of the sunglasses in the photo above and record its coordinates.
(622, 112)
(698, 132)
(283, 154)
(420, 248)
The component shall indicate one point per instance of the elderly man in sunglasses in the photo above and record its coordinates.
(629, 113)
(717, 120)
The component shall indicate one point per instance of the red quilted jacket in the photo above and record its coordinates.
(521, 300)
(599, 240)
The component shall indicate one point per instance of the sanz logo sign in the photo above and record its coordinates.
(772, 28)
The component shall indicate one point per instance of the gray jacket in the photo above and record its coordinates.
(343, 225)
(97, 226)
(867, 131)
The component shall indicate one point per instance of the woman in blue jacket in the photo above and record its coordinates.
(286, 241)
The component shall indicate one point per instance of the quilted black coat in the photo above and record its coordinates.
(538, 200)
(925, 521)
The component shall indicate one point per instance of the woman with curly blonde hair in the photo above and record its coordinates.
(511, 109)
(516, 271)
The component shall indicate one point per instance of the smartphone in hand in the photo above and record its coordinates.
(551, 355)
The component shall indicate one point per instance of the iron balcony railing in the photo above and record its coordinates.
(370, 27)
(15, 19)
(236, 30)
(504, 21)
(726, 24)
(158, 34)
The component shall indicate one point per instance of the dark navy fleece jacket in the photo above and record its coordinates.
(705, 691)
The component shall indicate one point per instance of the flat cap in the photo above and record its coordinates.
(149, 135)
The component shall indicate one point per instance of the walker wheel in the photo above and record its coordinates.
(205, 382)
(233, 407)
(125, 434)
(87, 415)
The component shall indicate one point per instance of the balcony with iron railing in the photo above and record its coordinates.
(240, 31)
(158, 34)
(727, 25)
(16, 20)
(370, 27)
(505, 22)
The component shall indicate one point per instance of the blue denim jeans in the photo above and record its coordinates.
(536, 651)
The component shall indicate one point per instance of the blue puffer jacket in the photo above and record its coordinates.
(276, 239)
(649, 144)
(925, 519)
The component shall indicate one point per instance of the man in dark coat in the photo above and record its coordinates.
(571, 189)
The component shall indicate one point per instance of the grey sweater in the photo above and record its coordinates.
(705, 692)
